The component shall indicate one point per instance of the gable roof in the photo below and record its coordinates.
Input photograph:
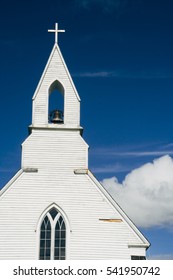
(16, 177)
(13, 179)
(86, 172)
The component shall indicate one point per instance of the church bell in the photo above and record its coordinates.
(56, 116)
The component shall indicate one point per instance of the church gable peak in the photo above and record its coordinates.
(56, 77)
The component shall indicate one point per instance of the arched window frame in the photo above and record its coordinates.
(67, 226)
(56, 84)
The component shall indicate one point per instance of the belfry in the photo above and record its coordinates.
(54, 208)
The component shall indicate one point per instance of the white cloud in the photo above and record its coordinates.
(106, 5)
(148, 75)
(146, 194)
(112, 152)
(98, 74)
(145, 153)
(111, 168)
(101, 74)
(169, 145)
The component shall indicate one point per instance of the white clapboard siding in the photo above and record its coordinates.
(55, 149)
(56, 69)
(54, 172)
(88, 237)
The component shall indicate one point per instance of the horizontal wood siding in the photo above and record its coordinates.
(55, 150)
(137, 251)
(89, 238)
(56, 70)
(50, 155)
(57, 154)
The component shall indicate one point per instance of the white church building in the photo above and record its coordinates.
(54, 208)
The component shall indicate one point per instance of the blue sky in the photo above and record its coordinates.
(119, 54)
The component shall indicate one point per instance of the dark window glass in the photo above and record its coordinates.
(63, 226)
(57, 233)
(56, 242)
(142, 258)
(138, 258)
(42, 243)
(63, 234)
(57, 252)
(62, 251)
(62, 242)
(53, 212)
(48, 243)
(59, 237)
(46, 220)
(48, 234)
(42, 234)
(42, 253)
(45, 235)
(60, 220)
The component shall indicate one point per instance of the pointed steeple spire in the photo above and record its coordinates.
(56, 77)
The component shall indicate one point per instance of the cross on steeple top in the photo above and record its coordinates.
(56, 30)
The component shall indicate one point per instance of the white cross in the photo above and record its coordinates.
(56, 32)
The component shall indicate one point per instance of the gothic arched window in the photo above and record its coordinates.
(56, 103)
(53, 236)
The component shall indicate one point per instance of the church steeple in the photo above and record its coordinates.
(54, 208)
(56, 79)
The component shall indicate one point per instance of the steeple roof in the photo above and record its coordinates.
(56, 56)
(56, 72)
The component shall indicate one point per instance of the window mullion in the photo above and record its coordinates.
(52, 227)
(52, 239)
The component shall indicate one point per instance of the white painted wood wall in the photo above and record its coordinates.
(56, 69)
(55, 152)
